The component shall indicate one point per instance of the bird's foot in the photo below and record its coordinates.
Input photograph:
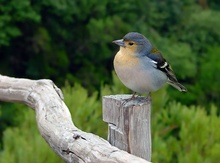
(148, 97)
(145, 99)
(139, 100)
(129, 99)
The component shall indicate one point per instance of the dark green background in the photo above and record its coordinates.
(70, 41)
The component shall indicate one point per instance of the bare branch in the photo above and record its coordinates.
(55, 123)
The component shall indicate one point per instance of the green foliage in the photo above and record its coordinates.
(10, 116)
(201, 30)
(86, 110)
(11, 14)
(182, 134)
(209, 77)
(25, 144)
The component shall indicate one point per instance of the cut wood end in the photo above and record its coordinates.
(124, 100)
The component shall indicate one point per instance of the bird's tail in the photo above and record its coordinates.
(177, 85)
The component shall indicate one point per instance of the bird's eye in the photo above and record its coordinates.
(131, 43)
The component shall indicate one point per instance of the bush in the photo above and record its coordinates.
(186, 134)
(25, 144)
(86, 110)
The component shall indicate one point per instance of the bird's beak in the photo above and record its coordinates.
(119, 42)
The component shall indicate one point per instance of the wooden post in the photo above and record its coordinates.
(128, 124)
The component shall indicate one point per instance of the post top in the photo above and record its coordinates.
(137, 101)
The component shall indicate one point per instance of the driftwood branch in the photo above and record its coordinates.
(55, 123)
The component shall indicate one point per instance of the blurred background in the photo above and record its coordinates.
(70, 42)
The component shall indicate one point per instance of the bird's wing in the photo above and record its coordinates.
(162, 65)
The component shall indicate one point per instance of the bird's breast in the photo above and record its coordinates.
(138, 74)
(125, 66)
(125, 61)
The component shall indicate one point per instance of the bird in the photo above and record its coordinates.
(141, 67)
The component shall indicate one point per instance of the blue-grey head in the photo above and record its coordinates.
(134, 43)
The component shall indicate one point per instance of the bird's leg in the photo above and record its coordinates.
(129, 99)
(148, 97)
(133, 96)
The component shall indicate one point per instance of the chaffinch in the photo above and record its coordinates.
(141, 67)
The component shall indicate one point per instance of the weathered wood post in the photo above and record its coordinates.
(128, 124)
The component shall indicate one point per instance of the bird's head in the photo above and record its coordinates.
(135, 44)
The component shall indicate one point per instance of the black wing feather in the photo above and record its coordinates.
(163, 65)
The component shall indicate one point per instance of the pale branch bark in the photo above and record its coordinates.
(55, 123)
